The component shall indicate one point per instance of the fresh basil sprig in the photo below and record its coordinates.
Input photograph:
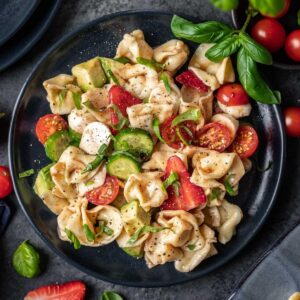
(108, 295)
(144, 229)
(26, 260)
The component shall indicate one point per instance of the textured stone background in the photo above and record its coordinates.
(218, 285)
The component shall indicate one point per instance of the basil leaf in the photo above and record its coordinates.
(170, 180)
(192, 114)
(165, 80)
(77, 100)
(112, 76)
(298, 17)
(206, 32)
(122, 121)
(142, 230)
(252, 81)
(191, 247)
(268, 7)
(122, 60)
(97, 161)
(88, 233)
(215, 194)
(107, 230)
(228, 185)
(257, 52)
(62, 96)
(155, 126)
(225, 4)
(108, 295)
(26, 260)
(89, 105)
(73, 238)
(150, 63)
(26, 173)
(224, 49)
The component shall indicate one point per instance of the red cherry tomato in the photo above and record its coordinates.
(269, 33)
(245, 142)
(121, 98)
(49, 124)
(292, 121)
(232, 94)
(292, 45)
(6, 186)
(214, 136)
(282, 12)
(189, 78)
(106, 193)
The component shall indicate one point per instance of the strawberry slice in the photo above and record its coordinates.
(190, 79)
(123, 99)
(74, 290)
(188, 195)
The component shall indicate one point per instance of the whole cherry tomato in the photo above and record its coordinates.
(292, 45)
(232, 94)
(269, 33)
(292, 121)
(6, 186)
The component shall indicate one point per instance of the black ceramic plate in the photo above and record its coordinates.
(289, 21)
(27, 37)
(276, 275)
(13, 15)
(101, 37)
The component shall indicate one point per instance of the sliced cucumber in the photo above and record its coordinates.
(136, 141)
(122, 165)
(75, 137)
(56, 144)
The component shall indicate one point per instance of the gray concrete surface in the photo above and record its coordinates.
(217, 285)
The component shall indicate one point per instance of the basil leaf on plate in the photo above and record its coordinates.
(206, 32)
(252, 81)
(257, 52)
(268, 7)
(223, 49)
(225, 4)
(108, 295)
(26, 260)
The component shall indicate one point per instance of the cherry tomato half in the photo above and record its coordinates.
(269, 33)
(6, 186)
(214, 136)
(283, 12)
(292, 121)
(49, 124)
(292, 45)
(232, 94)
(245, 142)
(106, 193)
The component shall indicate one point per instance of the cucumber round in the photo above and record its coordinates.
(122, 165)
(136, 141)
(56, 144)
(75, 137)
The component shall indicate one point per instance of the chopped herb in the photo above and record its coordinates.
(156, 130)
(173, 177)
(112, 76)
(90, 182)
(191, 247)
(178, 133)
(88, 233)
(62, 96)
(164, 78)
(77, 100)
(97, 161)
(107, 230)
(122, 121)
(73, 238)
(26, 173)
(215, 194)
(122, 60)
(102, 228)
(142, 230)
(192, 114)
(228, 185)
(150, 63)
(89, 105)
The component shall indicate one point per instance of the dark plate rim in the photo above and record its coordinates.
(44, 26)
(192, 276)
(292, 66)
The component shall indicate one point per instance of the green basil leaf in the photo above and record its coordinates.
(77, 100)
(155, 126)
(89, 105)
(108, 295)
(252, 81)
(165, 80)
(225, 4)
(298, 17)
(26, 173)
(122, 60)
(192, 114)
(73, 238)
(150, 63)
(223, 49)
(214, 194)
(142, 230)
(191, 247)
(257, 52)
(107, 230)
(97, 161)
(206, 32)
(112, 76)
(62, 96)
(270, 8)
(88, 233)
(122, 121)
(228, 186)
(170, 180)
(26, 260)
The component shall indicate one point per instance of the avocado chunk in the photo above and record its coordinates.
(43, 182)
(137, 251)
(89, 74)
(134, 217)
(110, 66)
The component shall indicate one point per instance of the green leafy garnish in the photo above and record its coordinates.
(73, 238)
(26, 173)
(165, 80)
(90, 182)
(26, 260)
(122, 60)
(112, 76)
(97, 161)
(150, 63)
(191, 247)
(214, 194)
(225, 5)
(176, 186)
(144, 229)
(102, 228)
(62, 96)
(122, 121)
(228, 186)
(170, 180)
(155, 126)
(182, 139)
(89, 105)
(88, 233)
(77, 100)
(192, 114)
(108, 295)
(107, 230)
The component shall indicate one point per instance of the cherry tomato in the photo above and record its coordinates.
(49, 124)
(123, 99)
(283, 12)
(269, 33)
(6, 186)
(214, 136)
(292, 121)
(189, 78)
(232, 94)
(106, 193)
(245, 142)
(292, 45)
